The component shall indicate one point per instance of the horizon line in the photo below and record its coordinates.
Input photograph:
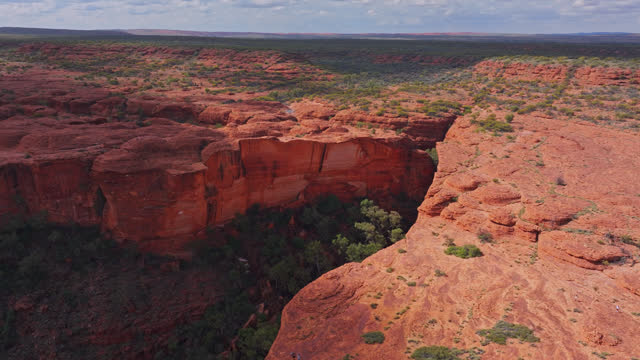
(449, 33)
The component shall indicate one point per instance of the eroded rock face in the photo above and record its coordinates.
(163, 184)
(180, 200)
(163, 191)
(522, 71)
(423, 131)
(159, 169)
(584, 75)
(552, 197)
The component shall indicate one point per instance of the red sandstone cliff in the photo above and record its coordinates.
(162, 191)
(557, 198)
(161, 182)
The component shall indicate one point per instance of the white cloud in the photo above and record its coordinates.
(329, 15)
(26, 8)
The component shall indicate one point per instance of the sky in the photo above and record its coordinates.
(332, 16)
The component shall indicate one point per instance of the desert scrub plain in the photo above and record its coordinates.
(525, 244)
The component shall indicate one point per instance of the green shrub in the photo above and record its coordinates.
(485, 237)
(434, 156)
(567, 111)
(373, 337)
(439, 273)
(492, 124)
(255, 343)
(602, 355)
(504, 330)
(359, 251)
(528, 109)
(441, 107)
(464, 252)
(436, 353)
(402, 113)
(627, 239)
(508, 118)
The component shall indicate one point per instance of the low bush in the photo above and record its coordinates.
(508, 118)
(485, 237)
(464, 252)
(436, 353)
(439, 273)
(492, 124)
(504, 330)
(373, 337)
(433, 153)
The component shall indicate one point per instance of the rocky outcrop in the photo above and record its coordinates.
(159, 170)
(522, 71)
(423, 131)
(162, 184)
(607, 76)
(547, 208)
(176, 201)
(583, 75)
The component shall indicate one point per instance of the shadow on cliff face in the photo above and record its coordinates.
(68, 293)
(269, 255)
(106, 300)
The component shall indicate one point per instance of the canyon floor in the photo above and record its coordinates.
(142, 158)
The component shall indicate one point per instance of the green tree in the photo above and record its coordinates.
(314, 254)
(359, 251)
(288, 275)
(370, 232)
(340, 244)
(8, 331)
(397, 234)
(255, 343)
(382, 226)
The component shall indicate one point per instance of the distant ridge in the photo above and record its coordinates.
(599, 33)
(286, 35)
(602, 37)
(57, 32)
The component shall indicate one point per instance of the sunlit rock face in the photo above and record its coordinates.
(163, 184)
(560, 202)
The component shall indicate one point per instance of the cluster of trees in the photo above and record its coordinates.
(32, 251)
(287, 248)
(378, 230)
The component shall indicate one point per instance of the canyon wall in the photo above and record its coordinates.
(160, 169)
(162, 192)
